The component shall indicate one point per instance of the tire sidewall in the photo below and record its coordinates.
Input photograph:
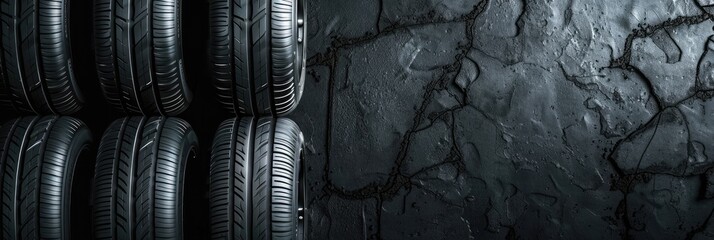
(79, 147)
(188, 156)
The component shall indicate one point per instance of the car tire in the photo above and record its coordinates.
(139, 56)
(256, 185)
(141, 166)
(36, 73)
(258, 55)
(38, 159)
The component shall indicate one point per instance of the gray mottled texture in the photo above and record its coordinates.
(467, 119)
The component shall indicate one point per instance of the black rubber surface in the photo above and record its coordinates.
(139, 181)
(139, 55)
(254, 179)
(256, 67)
(38, 157)
(36, 73)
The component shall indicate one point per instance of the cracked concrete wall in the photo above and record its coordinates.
(467, 119)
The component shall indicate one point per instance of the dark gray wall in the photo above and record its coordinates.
(459, 119)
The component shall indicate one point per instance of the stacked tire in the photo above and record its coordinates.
(139, 184)
(143, 161)
(139, 56)
(44, 179)
(258, 55)
(36, 71)
(257, 186)
(142, 179)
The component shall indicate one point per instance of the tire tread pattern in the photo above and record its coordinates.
(253, 53)
(37, 164)
(37, 73)
(139, 57)
(138, 180)
(285, 167)
(253, 184)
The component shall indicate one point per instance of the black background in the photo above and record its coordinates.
(475, 119)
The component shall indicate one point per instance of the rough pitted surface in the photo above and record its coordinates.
(466, 119)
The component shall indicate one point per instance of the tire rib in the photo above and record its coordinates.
(250, 48)
(114, 173)
(31, 179)
(151, 59)
(144, 196)
(152, 176)
(232, 172)
(131, 181)
(19, 177)
(5, 92)
(172, 86)
(219, 190)
(12, 177)
(132, 57)
(6, 134)
(269, 58)
(107, 166)
(38, 58)
(260, 179)
(269, 183)
(19, 60)
(106, 55)
(286, 152)
(284, 59)
(249, 178)
(231, 46)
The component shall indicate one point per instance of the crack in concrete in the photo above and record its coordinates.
(649, 142)
(397, 179)
(646, 31)
(701, 228)
(379, 16)
(625, 182)
(520, 22)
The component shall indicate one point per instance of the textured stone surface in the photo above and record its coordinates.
(470, 119)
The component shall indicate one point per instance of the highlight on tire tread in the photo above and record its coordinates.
(38, 156)
(257, 56)
(139, 56)
(140, 170)
(36, 73)
(254, 171)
